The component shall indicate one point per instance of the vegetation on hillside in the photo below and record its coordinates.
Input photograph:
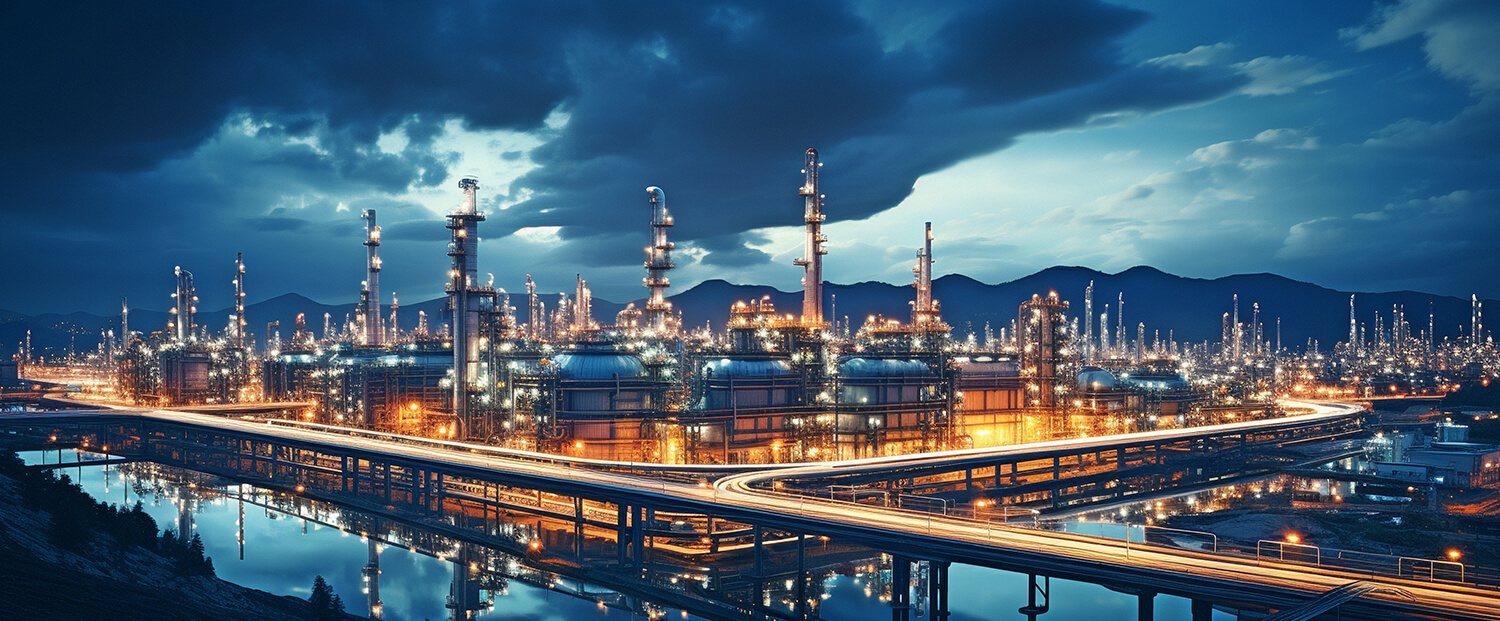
(78, 520)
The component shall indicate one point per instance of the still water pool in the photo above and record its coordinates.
(259, 544)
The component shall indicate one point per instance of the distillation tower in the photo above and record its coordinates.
(463, 298)
(813, 245)
(372, 325)
(1042, 336)
(658, 261)
(395, 330)
(237, 323)
(924, 310)
(1088, 323)
(1476, 319)
(583, 306)
(186, 305)
(1122, 344)
(1236, 332)
(536, 311)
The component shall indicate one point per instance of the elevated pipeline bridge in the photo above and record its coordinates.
(390, 472)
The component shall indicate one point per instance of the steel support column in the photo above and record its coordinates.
(1032, 607)
(760, 542)
(621, 520)
(1146, 606)
(1056, 480)
(638, 535)
(937, 590)
(803, 609)
(577, 526)
(900, 589)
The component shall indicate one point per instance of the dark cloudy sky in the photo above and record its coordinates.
(1353, 144)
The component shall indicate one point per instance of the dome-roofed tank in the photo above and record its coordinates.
(883, 367)
(738, 367)
(989, 366)
(1095, 378)
(598, 365)
(747, 383)
(881, 381)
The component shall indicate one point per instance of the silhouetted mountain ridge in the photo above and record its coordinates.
(1190, 308)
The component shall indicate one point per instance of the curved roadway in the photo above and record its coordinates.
(1058, 554)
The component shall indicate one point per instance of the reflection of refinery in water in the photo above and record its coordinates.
(771, 386)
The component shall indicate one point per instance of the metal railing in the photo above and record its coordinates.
(1146, 529)
(1432, 566)
(1298, 550)
(1141, 537)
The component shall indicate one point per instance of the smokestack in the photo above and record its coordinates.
(658, 261)
(813, 244)
(373, 327)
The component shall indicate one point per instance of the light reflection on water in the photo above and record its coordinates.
(283, 552)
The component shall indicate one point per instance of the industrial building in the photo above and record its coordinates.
(1445, 458)
(772, 387)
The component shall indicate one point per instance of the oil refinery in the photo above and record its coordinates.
(620, 445)
(770, 386)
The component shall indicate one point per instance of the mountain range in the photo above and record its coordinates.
(1190, 308)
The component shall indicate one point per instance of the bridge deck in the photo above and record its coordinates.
(740, 497)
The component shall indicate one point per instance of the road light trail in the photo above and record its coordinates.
(741, 492)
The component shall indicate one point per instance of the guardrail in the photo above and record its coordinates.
(1298, 550)
(1147, 529)
(944, 514)
(687, 473)
(1133, 538)
(1432, 567)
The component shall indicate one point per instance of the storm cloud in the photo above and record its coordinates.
(141, 137)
